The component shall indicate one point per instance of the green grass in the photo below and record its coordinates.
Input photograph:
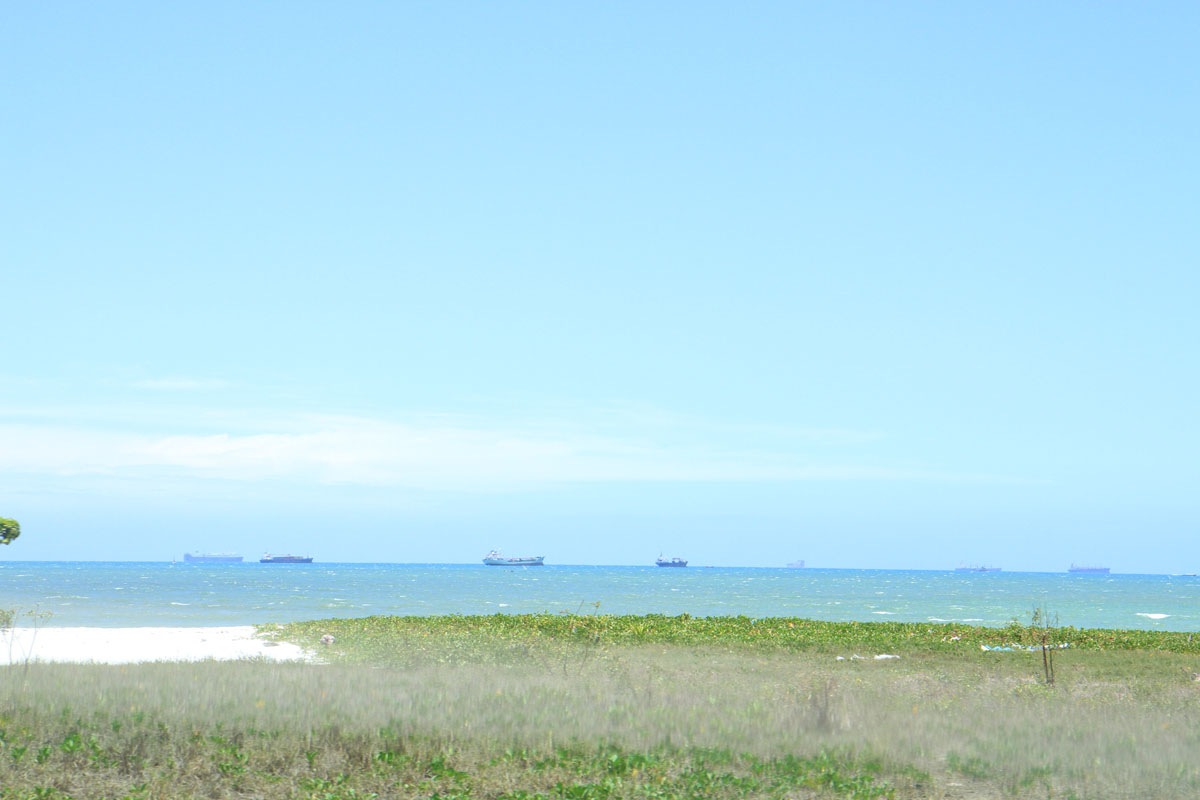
(300, 731)
(401, 639)
(617, 707)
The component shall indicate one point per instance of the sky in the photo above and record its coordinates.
(872, 285)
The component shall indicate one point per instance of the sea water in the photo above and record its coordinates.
(134, 594)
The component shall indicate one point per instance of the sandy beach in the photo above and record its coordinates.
(133, 645)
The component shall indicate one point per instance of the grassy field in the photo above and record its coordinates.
(574, 706)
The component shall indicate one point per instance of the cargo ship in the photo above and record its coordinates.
(211, 558)
(271, 558)
(494, 559)
(972, 568)
(670, 562)
(1088, 570)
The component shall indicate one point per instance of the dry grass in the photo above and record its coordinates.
(1124, 724)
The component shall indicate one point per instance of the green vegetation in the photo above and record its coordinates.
(567, 706)
(403, 640)
(10, 529)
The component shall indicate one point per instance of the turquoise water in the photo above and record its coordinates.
(144, 594)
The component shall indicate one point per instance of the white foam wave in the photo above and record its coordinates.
(1153, 616)
(883, 612)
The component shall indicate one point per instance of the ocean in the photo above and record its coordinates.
(137, 594)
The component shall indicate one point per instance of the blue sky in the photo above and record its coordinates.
(872, 285)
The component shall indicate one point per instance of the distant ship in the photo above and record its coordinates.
(796, 564)
(494, 559)
(211, 558)
(670, 562)
(1088, 570)
(973, 568)
(271, 558)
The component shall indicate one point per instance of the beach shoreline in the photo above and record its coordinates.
(83, 645)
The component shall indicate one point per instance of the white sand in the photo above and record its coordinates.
(131, 645)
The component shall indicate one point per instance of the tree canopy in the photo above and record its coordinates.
(9, 529)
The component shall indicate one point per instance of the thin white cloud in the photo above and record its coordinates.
(181, 384)
(632, 416)
(429, 454)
